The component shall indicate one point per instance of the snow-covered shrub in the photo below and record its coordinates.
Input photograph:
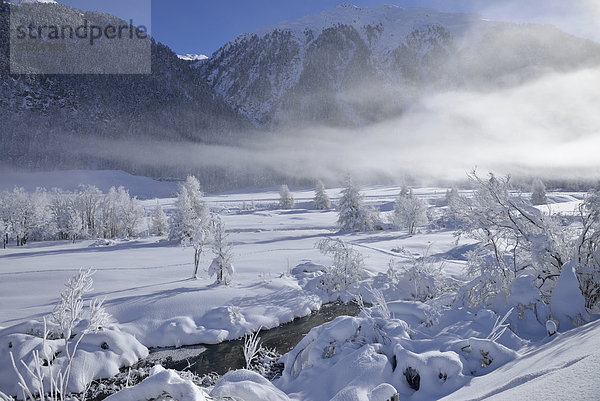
(252, 347)
(286, 200)
(347, 267)
(480, 356)
(190, 224)
(82, 351)
(538, 192)
(432, 372)
(568, 304)
(160, 223)
(531, 312)
(356, 350)
(321, 199)
(425, 277)
(162, 384)
(222, 264)
(353, 214)
(409, 212)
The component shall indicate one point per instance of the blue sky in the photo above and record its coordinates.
(202, 26)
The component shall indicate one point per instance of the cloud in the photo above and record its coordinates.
(549, 128)
(578, 17)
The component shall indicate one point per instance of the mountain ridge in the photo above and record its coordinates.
(264, 74)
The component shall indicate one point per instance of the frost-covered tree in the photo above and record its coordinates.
(353, 214)
(5, 227)
(347, 267)
(587, 248)
(66, 216)
(27, 214)
(133, 214)
(120, 214)
(451, 194)
(286, 199)
(222, 264)
(513, 237)
(190, 224)
(409, 212)
(321, 199)
(538, 192)
(88, 201)
(160, 223)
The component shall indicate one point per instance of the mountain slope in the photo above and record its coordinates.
(353, 66)
(40, 113)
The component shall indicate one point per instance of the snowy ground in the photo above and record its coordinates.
(147, 286)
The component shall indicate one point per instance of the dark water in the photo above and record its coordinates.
(221, 358)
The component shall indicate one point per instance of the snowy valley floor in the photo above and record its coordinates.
(148, 291)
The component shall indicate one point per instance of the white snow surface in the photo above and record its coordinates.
(147, 286)
(192, 57)
(564, 368)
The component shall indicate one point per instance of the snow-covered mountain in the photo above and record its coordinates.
(42, 113)
(353, 65)
(192, 57)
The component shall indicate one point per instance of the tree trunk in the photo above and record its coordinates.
(196, 262)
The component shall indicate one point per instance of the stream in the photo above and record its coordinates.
(220, 358)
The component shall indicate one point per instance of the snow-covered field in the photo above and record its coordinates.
(148, 291)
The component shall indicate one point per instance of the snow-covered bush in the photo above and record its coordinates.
(286, 200)
(81, 351)
(538, 192)
(409, 212)
(353, 214)
(162, 384)
(568, 304)
(160, 223)
(425, 277)
(190, 224)
(347, 267)
(252, 347)
(321, 199)
(222, 264)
